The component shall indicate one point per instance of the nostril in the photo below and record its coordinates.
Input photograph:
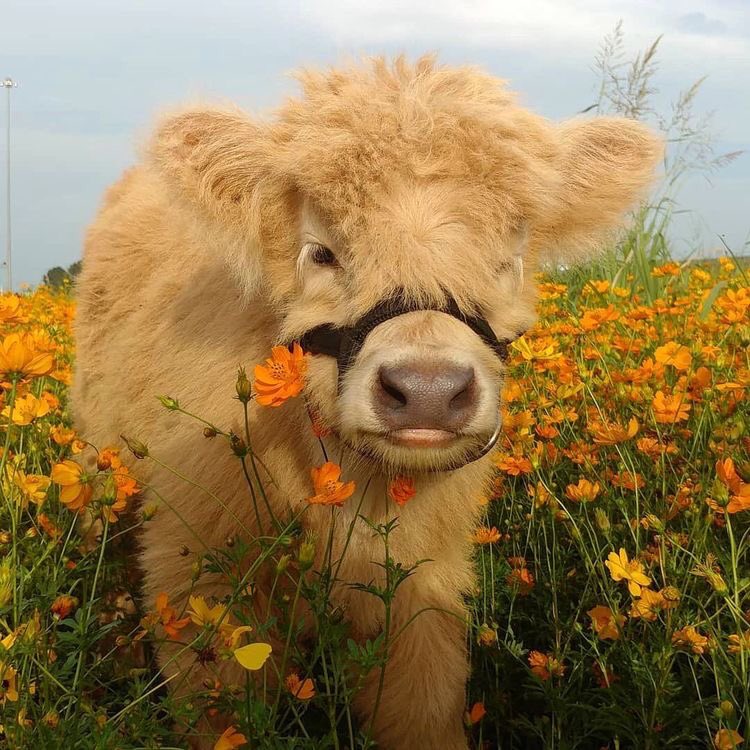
(465, 395)
(395, 397)
(464, 386)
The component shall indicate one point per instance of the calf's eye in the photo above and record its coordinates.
(322, 256)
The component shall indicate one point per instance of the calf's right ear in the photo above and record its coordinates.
(216, 162)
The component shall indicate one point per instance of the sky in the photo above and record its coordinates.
(93, 73)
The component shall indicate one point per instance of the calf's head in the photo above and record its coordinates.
(393, 217)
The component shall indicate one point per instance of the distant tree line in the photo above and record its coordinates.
(59, 276)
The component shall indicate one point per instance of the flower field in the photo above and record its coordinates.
(613, 599)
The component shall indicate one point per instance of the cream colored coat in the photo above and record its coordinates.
(421, 178)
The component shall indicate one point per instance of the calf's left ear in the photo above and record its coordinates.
(605, 166)
(216, 163)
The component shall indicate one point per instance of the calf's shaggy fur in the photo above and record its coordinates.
(422, 180)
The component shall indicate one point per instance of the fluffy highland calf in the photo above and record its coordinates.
(422, 192)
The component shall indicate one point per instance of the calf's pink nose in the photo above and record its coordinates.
(431, 395)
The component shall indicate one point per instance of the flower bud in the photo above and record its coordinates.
(51, 719)
(169, 403)
(239, 447)
(602, 520)
(244, 390)
(149, 511)
(209, 432)
(195, 570)
(306, 554)
(136, 447)
(282, 564)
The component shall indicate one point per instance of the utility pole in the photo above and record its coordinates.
(8, 84)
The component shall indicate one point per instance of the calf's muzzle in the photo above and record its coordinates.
(425, 395)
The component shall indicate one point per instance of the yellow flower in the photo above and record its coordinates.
(201, 614)
(668, 269)
(10, 308)
(675, 355)
(76, 493)
(62, 435)
(19, 356)
(669, 409)
(690, 639)
(648, 605)
(727, 739)
(485, 535)
(583, 492)
(253, 656)
(282, 377)
(8, 689)
(233, 635)
(623, 569)
(26, 409)
(606, 624)
(7, 581)
(33, 487)
(610, 433)
(739, 642)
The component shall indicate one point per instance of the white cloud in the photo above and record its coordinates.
(542, 27)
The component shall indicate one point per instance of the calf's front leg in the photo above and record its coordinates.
(422, 698)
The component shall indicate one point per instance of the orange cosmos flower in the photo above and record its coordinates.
(304, 690)
(485, 535)
(674, 355)
(33, 487)
(669, 409)
(628, 481)
(606, 624)
(623, 569)
(648, 605)
(230, 739)
(48, 526)
(63, 606)
(583, 492)
(19, 356)
(545, 666)
(76, 492)
(282, 377)
(727, 473)
(653, 448)
(739, 642)
(62, 435)
(593, 319)
(476, 714)
(690, 639)
(514, 465)
(522, 578)
(26, 409)
(727, 739)
(401, 490)
(10, 308)
(329, 490)
(668, 269)
(610, 433)
(168, 617)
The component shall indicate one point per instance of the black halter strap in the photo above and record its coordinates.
(345, 343)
